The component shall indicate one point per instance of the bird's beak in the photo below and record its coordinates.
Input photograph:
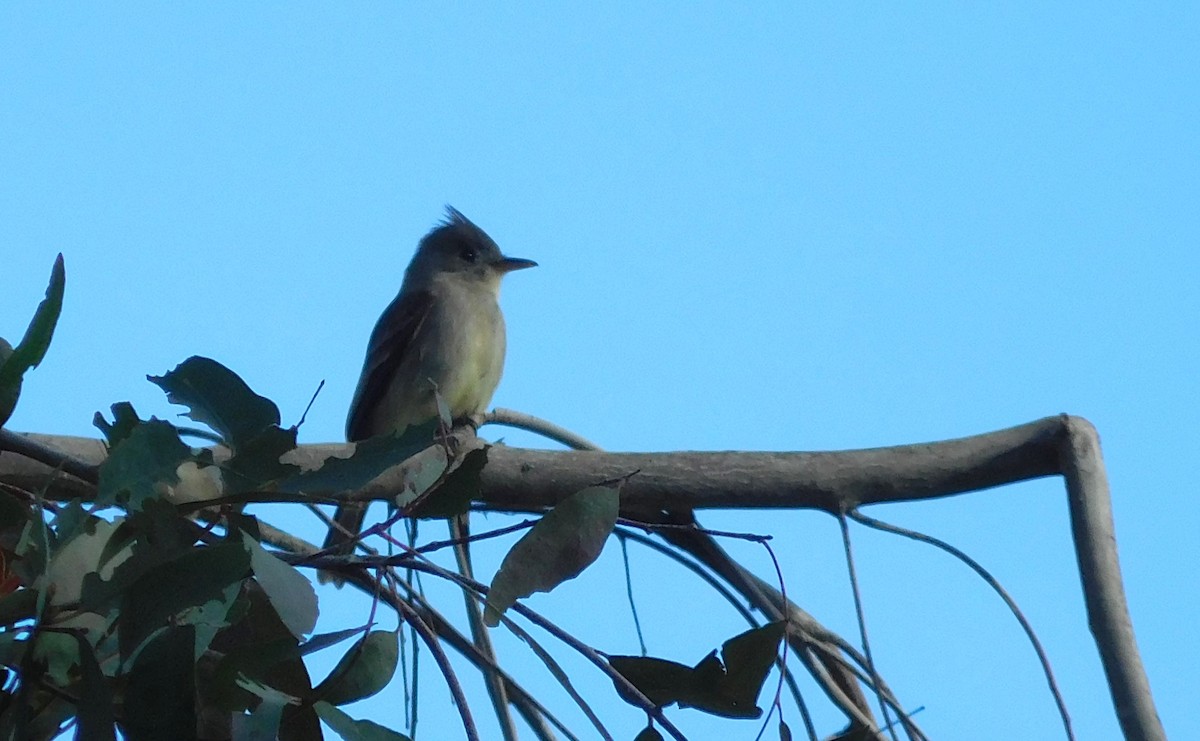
(509, 264)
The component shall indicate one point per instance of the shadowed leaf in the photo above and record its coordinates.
(290, 593)
(727, 688)
(10, 392)
(95, 699)
(355, 730)
(125, 421)
(559, 547)
(370, 458)
(30, 351)
(198, 576)
(219, 398)
(150, 454)
(160, 694)
(455, 494)
(364, 670)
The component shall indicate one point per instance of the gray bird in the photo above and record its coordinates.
(444, 330)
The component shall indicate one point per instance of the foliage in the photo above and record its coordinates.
(127, 613)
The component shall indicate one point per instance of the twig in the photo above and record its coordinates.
(997, 587)
(546, 428)
(431, 642)
(860, 614)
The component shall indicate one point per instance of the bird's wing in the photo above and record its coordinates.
(394, 336)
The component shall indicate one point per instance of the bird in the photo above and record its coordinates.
(443, 334)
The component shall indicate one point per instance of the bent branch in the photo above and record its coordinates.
(523, 480)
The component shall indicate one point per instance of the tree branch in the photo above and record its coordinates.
(523, 480)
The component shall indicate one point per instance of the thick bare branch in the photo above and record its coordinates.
(518, 479)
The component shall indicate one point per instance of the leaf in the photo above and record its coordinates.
(785, 733)
(455, 494)
(290, 593)
(325, 640)
(150, 454)
(17, 606)
(262, 724)
(95, 707)
(355, 730)
(10, 392)
(422, 472)
(160, 693)
(559, 547)
(660, 680)
(727, 688)
(748, 658)
(82, 555)
(194, 578)
(59, 653)
(32, 348)
(256, 462)
(217, 397)
(210, 618)
(125, 420)
(73, 520)
(363, 670)
(649, 733)
(370, 458)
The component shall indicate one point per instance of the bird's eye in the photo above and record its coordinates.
(470, 254)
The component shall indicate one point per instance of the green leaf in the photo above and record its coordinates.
(149, 455)
(17, 606)
(73, 520)
(262, 724)
(369, 459)
(210, 618)
(256, 461)
(217, 397)
(325, 640)
(198, 576)
(559, 547)
(125, 421)
(660, 680)
(30, 351)
(460, 488)
(12, 650)
(355, 730)
(161, 689)
(422, 472)
(748, 659)
(59, 653)
(289, 591)
(95, 705)
(727, 688)
(364, 670)
(11, 392)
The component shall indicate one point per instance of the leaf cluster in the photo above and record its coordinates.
(129, 615)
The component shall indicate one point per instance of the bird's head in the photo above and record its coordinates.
(458, 249)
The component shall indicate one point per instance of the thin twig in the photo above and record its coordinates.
(546, 428)
(996, 587)
(862, 622)
(456, 691)
(637, 623)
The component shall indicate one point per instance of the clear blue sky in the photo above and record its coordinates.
(769, 228)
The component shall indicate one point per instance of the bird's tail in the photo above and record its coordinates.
(342, 537)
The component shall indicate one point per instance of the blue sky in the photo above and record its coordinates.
(777, 228)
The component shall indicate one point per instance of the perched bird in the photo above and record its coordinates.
(443, 331)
